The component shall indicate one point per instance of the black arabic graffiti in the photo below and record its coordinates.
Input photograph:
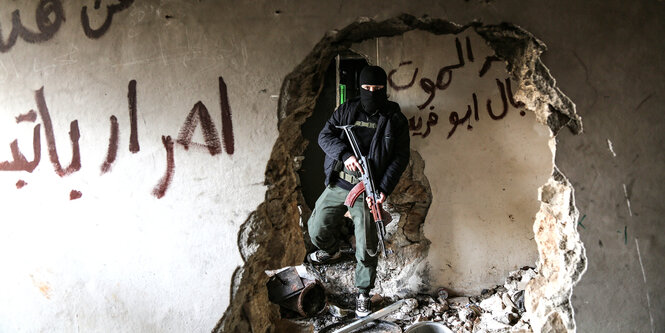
(487, 64)
(432, 120)
(199, 115)
(49, 16)
(506, 98)
(444, 78)
(405, 86)
(110, 11)
(47, 28)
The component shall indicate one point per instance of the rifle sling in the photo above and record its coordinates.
(349, 178)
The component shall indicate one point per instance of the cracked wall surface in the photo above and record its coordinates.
(534, 90)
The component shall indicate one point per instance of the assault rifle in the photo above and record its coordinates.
(366, 185)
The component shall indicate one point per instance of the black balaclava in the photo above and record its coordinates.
(373, 101)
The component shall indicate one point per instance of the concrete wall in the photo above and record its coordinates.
(121, 258)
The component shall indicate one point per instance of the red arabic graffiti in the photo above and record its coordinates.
(165, 181)
(134, 146)
(198, 115)
(74, 136)
(227, 125)
(112, 152)
(74, 194)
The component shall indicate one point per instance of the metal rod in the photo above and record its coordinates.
(371, 317)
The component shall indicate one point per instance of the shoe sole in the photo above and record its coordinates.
(318, 263)
(362, 314)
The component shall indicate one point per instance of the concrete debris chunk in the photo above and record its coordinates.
(439, 307)
(409, 305)
(457, 302)
(488, 324)
(337, 311)
(493, 305)
(508, 302)
(466, 314)
(517, 280)
(526, 278)
(427, 312)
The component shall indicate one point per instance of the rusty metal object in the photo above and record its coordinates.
(308, 302)
(284, 285)
(289, 290)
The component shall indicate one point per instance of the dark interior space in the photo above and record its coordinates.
(311, 173)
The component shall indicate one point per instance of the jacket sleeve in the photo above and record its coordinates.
(400, 157)
(329, 138)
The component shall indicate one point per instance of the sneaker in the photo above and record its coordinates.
(363, 305)
(321, 257)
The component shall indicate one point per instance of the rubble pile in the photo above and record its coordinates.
(337, 278)
(499, 309)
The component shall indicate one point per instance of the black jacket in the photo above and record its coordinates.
(388, 153)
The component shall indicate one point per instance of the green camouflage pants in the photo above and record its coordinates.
(326, 221)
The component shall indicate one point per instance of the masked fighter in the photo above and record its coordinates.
(382, 133)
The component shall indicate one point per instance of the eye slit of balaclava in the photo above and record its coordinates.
(373, 101)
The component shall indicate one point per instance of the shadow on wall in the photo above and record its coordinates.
(272, 237)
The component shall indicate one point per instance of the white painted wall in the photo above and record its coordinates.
(485, 179)
(120, 259)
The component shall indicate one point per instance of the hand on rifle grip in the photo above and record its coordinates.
(370, 202)
(352, 164)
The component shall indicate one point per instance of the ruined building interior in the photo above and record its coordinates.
(159, 164)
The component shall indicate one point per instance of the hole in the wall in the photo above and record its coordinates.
(272, 237)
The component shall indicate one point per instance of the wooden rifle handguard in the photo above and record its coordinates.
(355, 192)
